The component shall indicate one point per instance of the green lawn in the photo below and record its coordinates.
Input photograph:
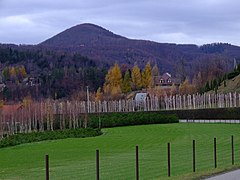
(75, 158)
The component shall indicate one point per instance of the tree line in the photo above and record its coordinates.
(216, 82)
(59, 74)
(118, 81)
(66, 74)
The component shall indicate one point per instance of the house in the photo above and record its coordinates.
(9, 118)
(2, 86)
(9, 112)
(9, 84)
(31, 81)
(141, 98)
(10, 109)
(165, 80)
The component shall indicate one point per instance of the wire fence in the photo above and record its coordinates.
(170, 160)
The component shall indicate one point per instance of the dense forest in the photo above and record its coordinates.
(103, 45)
(43, 73)
(62, 66)
(31, 71)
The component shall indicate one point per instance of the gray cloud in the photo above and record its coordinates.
(186, 21)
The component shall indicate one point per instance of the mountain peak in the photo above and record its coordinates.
(88, 25)
(82, 34)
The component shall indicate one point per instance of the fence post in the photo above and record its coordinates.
(137, 164)
(47, 166)
(97, 164)
(232, 151)
(194, 153)
(215, 153)
(169, 165)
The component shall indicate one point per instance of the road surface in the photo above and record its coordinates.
(233, 175)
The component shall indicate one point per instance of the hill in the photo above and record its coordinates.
(231, 85)
(83, 35)
(102, 45)
(41, 73)
(81, 55)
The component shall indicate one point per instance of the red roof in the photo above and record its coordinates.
(9, 109)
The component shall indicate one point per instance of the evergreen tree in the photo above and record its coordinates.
(13, 74)
(22, 72)
(126, 83)
(115, 92)
(173, 89)
(186, 87)
(207, 87)
(6, 73)
(183, 88)
(147, 76)
(113, 81)
(225, 84)
(155, 71)
(99, 94)
(238, 68)
(136, 78)
(198, 81)
(180, 70)
(117, 75)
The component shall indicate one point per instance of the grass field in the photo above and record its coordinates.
(75, 158)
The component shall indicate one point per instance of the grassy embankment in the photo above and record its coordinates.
(74, 158)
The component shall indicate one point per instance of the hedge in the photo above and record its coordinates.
(214, 113)
(130, 118)
(48, 135)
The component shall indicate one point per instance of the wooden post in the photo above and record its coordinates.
(97, 164)
(169, 165)
(215, 153)
(194, 156)
(137, 164)
(232, 151)
(47, 166)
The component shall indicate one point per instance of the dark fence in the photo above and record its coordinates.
(217, 160)
(222, 121)
(214, 113)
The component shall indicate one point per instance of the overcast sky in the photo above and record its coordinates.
(176, 21)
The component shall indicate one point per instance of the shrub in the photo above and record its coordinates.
(47, 135)
(232, 74)
(214, 113)
(133, 118)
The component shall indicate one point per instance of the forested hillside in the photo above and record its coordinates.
(181, 60)
(65, 64)
(46, 73)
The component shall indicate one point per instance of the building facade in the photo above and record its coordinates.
(165, 80)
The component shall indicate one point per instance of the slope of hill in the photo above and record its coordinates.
(232, 85)
(100, 44)
(83, 35)
(27, 70)
(81, 55)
